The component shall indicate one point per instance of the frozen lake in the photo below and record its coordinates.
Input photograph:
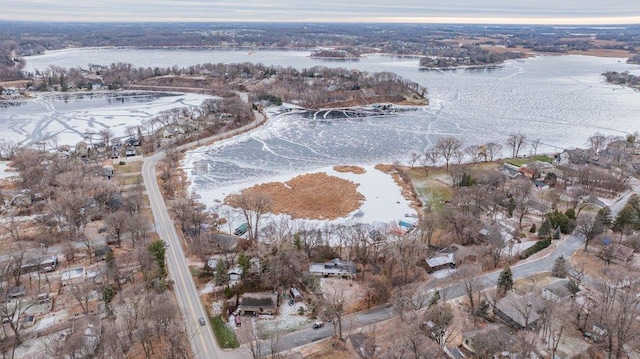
(67, 117)
(560, 99)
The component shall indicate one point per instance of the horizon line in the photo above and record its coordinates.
(541, 21)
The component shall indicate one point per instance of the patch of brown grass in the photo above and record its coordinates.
(312, 196)
(353, 169)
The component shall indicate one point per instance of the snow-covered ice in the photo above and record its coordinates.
(6, 171)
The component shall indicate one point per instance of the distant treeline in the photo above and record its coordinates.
(18, 39)
(468, 55)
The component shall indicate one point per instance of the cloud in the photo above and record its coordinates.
(487, 11)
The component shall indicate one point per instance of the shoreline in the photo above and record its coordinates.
(605, 53)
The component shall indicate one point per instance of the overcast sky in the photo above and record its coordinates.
(425, 11)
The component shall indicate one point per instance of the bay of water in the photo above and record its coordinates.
(560, 99)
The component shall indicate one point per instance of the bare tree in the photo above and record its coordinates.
(429, 158)
(467, 276)
(598, 142)
(447, 147)
(438, 319)
(474, 152)
(415, 157)
(590, 227)
(492, 151)
(535, 143)
(515, 141)
(253, 206)
(333, 307)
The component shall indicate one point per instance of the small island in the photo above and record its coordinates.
(623, 78)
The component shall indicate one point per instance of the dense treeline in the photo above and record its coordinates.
(622, 78)
(313, 87)
(468, 55)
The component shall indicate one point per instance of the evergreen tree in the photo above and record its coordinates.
(505, 281)
(244, 262)
(604, 216)
(545, 229)
(559, 269)
(222, 273)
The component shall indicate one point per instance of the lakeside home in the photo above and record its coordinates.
(334, 268)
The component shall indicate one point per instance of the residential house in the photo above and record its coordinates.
(336, 268)
(85, 333)
(15, 292)
(441, 261)
(73, 276)
(49, 264)
(10, 93)
(622, 252)
(496, 333)
(22, 199)
(519, 311)
(530, 173)
(172, 131)
(510, 170)
(259, 303)
(64, 152)
(101, 252)
(558, 291)
(132, 141)
(540, 184)
(81, 149)
(361, 345)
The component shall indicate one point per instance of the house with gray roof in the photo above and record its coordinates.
(558, 291)
(336, 268)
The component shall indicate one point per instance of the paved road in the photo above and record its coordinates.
(203, 342)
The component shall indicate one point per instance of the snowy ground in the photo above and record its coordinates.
(444, 273)
(517, 248)
(287, 320)
(6, 171)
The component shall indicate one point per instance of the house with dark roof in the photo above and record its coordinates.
(259, 303)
